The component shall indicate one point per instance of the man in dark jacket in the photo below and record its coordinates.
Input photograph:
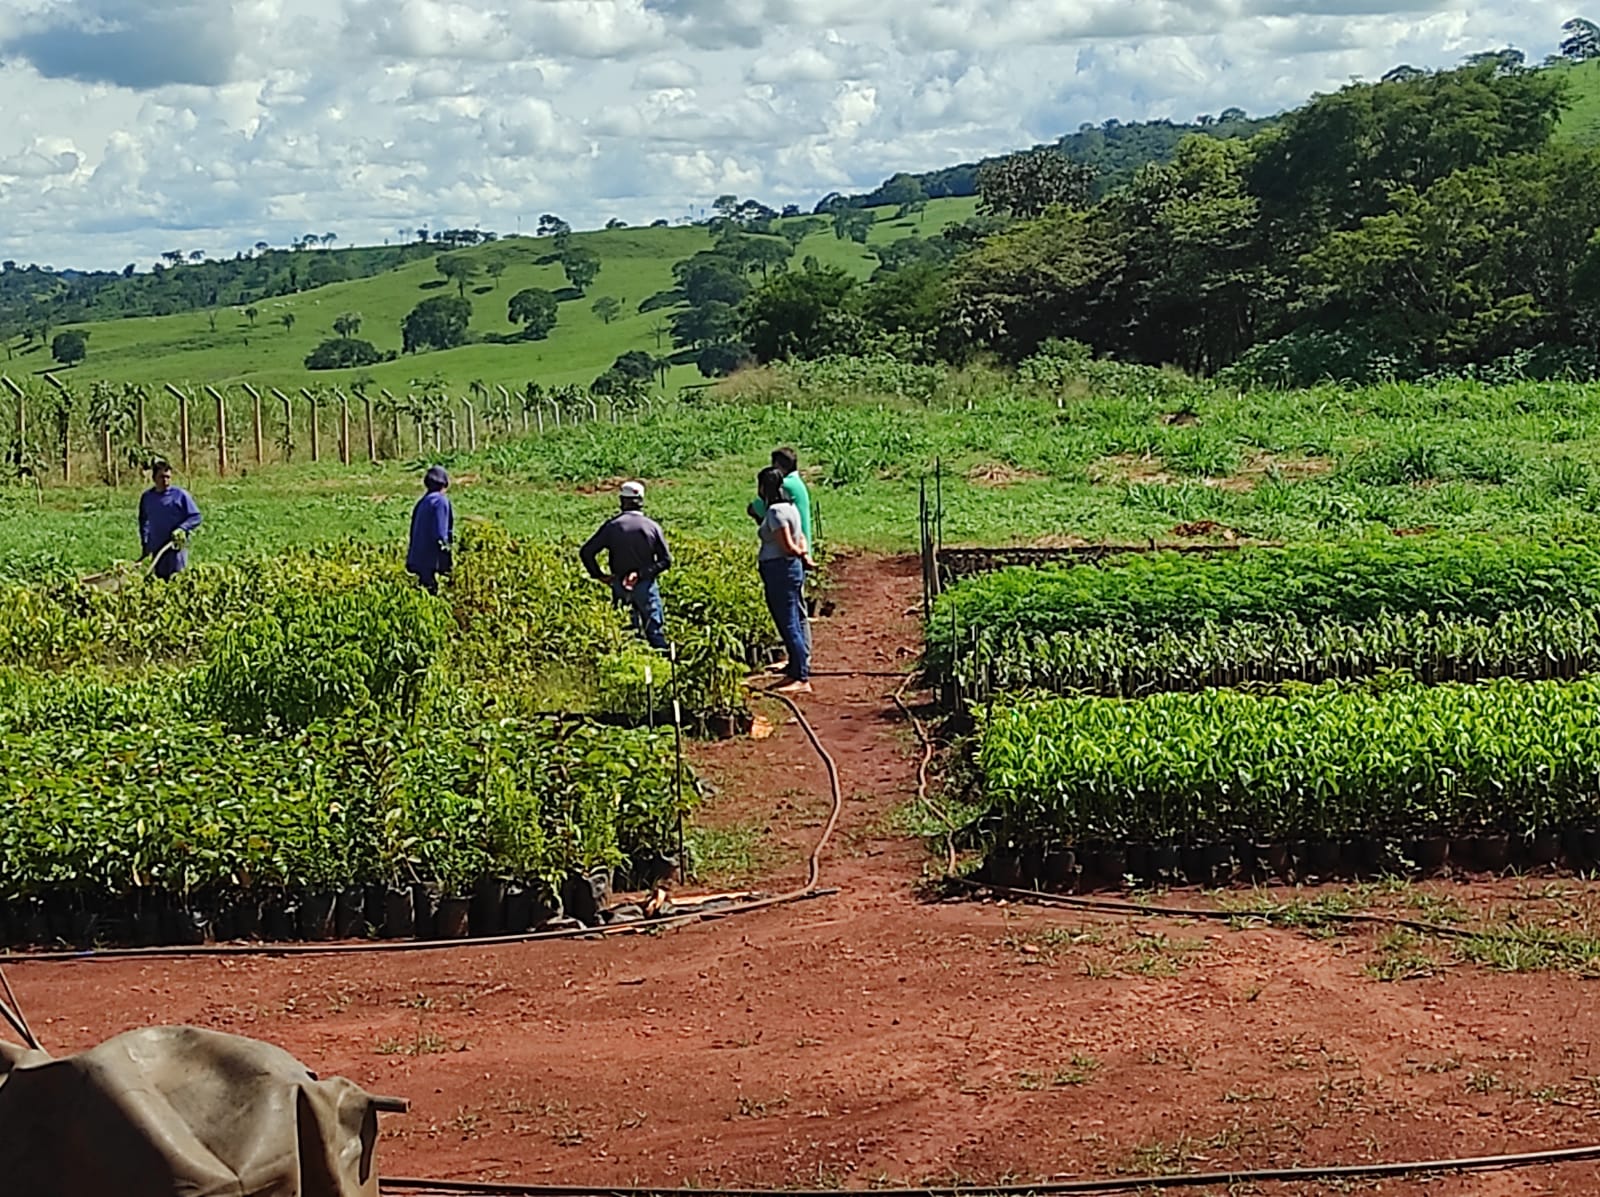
(166, 517)
(638, 555)
(432, 525)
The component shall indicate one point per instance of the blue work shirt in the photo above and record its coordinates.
(432, 523)
(161, 514)
(635, 545)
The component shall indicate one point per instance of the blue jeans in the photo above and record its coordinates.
(644, 607)
(784, 581)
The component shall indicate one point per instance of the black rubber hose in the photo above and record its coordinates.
(1120, 1184)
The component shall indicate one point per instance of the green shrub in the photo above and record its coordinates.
(1148, 595)
(1311, 762)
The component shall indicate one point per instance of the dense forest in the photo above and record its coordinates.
(1115, 151)
(1427, 223)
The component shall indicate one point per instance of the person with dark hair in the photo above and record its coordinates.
(166, 517)
(787, 461)
(783, 560)
(637, 553)
(433, 523)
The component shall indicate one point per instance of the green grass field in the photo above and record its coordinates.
(635, 263)
(1582, 121)
(1123, 454)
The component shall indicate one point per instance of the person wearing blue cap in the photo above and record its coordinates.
(432, 526)
(637, 553)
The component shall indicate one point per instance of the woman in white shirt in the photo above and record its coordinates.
(784, 558)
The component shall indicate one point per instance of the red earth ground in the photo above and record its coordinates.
(874, 1036)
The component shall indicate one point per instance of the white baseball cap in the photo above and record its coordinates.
(633, 490)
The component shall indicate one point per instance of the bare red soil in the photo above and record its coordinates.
(874, 1036)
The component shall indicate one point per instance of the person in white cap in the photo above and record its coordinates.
(637, 555)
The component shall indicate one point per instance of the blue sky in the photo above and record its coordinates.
(138, 126)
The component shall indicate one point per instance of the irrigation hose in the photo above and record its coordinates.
(811, 889)
(11, 1011)
(1120, 1184)
(922, 774)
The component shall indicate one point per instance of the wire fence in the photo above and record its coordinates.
(59, 431)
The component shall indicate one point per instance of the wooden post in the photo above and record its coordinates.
(316, 440)
(255, 418)
(183, 424)
(288, 423)
(394, 422)
(66, 430)
(222, 431)
(455, 433)
(505, 398)
(472, 425)
(141, 427)
(344, 426)
(22, 417)
(372, 433)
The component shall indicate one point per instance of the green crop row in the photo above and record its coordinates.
(520, 623)
(1325, 761)
(1538, 645)
(1145, 596)
(183, 808)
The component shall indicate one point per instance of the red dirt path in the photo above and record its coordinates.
(871, 1036)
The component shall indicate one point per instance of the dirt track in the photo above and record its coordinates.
(872, 1036)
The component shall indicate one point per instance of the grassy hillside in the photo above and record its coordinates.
(1582, 122)
(635, 263)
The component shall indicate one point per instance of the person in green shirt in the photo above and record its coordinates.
(787, 460)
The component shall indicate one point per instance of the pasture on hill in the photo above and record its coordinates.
(635, 264)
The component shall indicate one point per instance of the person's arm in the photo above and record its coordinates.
(144, 525)
(589, 554)
(191, 514)
(444, 519)
(662, 560)
(794, 542)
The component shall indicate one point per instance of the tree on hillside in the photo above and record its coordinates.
(496, 267)
(250, 314)
(1505, 60)
(1028, 184)
(1338, 159)
(347, 324)
(853, 224)
(801, 314)
(606, 307)
(550, 225)
(459, 269)
(1582, 41)
(437, 323)
(581, 267)
(709, 275)
(723, 358)
(1404, 73)
(616, 223)
(287, 320)
(338, 353)
(70, 347)
(905, 192)
(536, 310)
(709, 322)
(762, 253)
(797, 231)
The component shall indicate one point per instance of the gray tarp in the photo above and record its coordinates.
(182, 1112)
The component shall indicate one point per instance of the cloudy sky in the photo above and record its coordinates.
(137, 126)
